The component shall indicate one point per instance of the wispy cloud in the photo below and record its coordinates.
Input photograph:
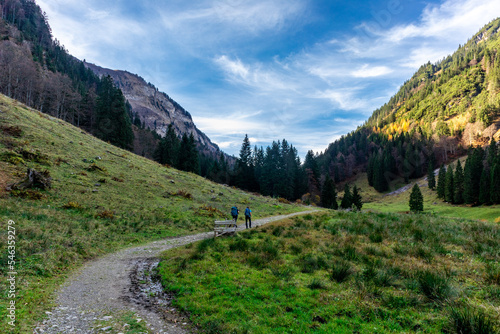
(240, 67)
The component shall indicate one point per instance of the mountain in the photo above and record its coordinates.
(433, 118)
(156, 110)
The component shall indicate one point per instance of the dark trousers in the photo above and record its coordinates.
(248, 221)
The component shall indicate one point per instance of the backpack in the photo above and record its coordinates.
(234, 211)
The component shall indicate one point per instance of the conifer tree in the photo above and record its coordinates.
(441, 182)
(188, 155)
(113, 123)
(458, 184)
(472, 175)
(495, 184)
(357, 201)
(347, 199)
(431, 179)
(448, 188)
(484, 190)
(416, 199)
(168, 149)
(329, 194)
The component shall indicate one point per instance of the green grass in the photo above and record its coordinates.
(374, 201)
(307, 279)
(102, 199)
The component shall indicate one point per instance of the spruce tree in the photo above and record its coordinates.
(347, 199)
(357, 201)
(188, 155)
(484, 190)
(113, 122)
(472, 175)
(495, 184)
(441, 182)
(431, 179)
(458, 184)
(448, 188)
(416, 199)
(329, 194)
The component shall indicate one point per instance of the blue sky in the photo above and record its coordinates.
(308, 71)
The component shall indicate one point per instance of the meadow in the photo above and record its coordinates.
(102, 199)
(343, 272)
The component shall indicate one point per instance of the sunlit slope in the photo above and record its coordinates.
(102, 198)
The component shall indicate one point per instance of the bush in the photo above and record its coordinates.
(435, 287)
(341, 271)
(316, 284)
(467, 320)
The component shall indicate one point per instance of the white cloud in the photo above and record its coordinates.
(367, 71)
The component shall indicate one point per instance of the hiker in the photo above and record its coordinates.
(248, 217)
(234, 213)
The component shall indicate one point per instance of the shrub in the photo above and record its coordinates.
(435, 287)
(283, 272)
(375, 237)
(240, 245)
(106, 214)
(316, 284)
(467, 320)
(493, 273)
(72, 205)
(310, 263)
(341, 271)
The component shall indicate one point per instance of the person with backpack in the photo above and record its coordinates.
(248, 217)
(234, 213)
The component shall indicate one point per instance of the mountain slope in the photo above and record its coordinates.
(443, 109)
(102, 198)
(155, 109)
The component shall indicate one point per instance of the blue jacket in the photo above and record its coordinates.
(248, 212)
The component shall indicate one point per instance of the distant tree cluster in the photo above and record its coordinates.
(179, 153)
(275, 171)
(477, 183)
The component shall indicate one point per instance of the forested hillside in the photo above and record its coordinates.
(435, 116)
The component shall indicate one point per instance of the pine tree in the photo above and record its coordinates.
(431, 179)
(495, 184)
(188, 155)
(472, 175)
(112, 119)
(357, 201)
(484, 190)
(441, 182)
(346, 202)
(458, 184)
(416, 199)
(370, 169)
(448, 188)
(168, 149)
(329, 194)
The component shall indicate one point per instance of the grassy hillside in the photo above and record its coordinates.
(102, 199)
(343, 272)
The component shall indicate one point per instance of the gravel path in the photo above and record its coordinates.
(102, 288)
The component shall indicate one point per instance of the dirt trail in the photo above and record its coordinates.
(103, 287)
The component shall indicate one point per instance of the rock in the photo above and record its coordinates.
(95, 190)
(172, 181)
(97, 184)
(221, 194)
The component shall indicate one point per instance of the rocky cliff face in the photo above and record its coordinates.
(154, 108)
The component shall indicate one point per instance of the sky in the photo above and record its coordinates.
(308, 71)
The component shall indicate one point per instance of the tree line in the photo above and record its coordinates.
(475, 184)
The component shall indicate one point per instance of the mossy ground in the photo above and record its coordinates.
(102, 199)
(340, 273)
